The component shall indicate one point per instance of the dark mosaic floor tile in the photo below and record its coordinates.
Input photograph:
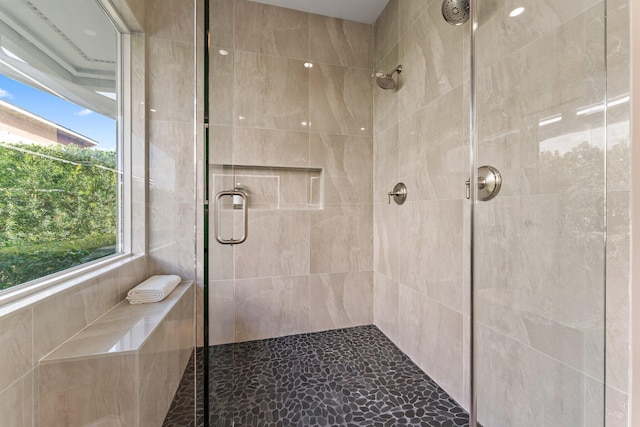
(353, 377)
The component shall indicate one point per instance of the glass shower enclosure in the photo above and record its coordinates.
(534, 85)
(539, 72)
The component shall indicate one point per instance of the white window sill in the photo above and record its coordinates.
(32, 292)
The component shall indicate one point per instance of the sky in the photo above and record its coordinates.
(100, 128)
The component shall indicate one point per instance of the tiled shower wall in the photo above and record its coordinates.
(42, 323)
(420, 247)
(301, 140)
(421, 139)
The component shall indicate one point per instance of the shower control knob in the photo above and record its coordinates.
(489, 183)
(399, 194)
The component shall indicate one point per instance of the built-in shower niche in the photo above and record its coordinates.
(271, 188)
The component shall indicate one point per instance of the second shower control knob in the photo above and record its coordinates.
(399, 194)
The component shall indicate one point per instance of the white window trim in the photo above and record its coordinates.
(30, 292)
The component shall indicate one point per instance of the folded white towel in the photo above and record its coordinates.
(154, 289)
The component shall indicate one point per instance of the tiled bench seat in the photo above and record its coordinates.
(121, 370)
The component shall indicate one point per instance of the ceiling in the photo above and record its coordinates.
(366, 11)
(43, 41)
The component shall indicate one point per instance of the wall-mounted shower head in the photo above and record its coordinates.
(386, 82)
(455, 12)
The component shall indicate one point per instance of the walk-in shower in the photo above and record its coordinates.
(494, 290)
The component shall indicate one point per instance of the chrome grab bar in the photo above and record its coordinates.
(231, 193)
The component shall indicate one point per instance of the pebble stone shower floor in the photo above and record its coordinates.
(353, 377)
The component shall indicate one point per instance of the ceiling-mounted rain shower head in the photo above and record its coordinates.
(455, 12)
(386, 82)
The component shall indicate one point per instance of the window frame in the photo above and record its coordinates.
(125, 244)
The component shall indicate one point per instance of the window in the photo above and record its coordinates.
(61, 175)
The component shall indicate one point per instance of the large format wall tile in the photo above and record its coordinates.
(107, 382)
(340, 300)
(432, 58)
(271, 307)
(169, 19)
(340, 100)
(387, 305)
(271, 30)
(437, 348)
(260, 147)
(341, 42)
(270, 92)
(434, 149)
(386, 30)
(17, 403)
(169, 80)
(346, 162)
(524, 382)
(341, 239)
(221, 19)
(385, 102)
(16, 346)
(499, 36)
(222, 312)
(221, 103)
(277, 245)
(386, 166)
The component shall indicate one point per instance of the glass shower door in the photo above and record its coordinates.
(538, 252)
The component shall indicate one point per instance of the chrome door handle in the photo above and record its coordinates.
(245, 217)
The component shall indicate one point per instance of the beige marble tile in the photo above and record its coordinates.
(275, 97)
(271, 30)
(158, 373)
(340, 42)
(547, 293)
(221, 18)
(385, 102)
(277, 245)
(16, 347)
(99, 390)
(346, 162)
(386, 31)
(63, 315)
(222, 312)
(341, 239)
(499, 35)
(221, 78)
(16, 403)
(517, 381)
(617, 290)
(125, 328)
(267, 148)
(385, 219)
(340, 100)
(386, 167)
(340, 300)
(220, 146)
(386, 305)
(427, 244)
(431, 54)
(271, 307)
(409, 11)
(445, 334)
(434, 155)
(164, 260)
(171, 164)
(167, 19)
(130, 275)
(617, 408)
(170, 82)
(507, 102)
